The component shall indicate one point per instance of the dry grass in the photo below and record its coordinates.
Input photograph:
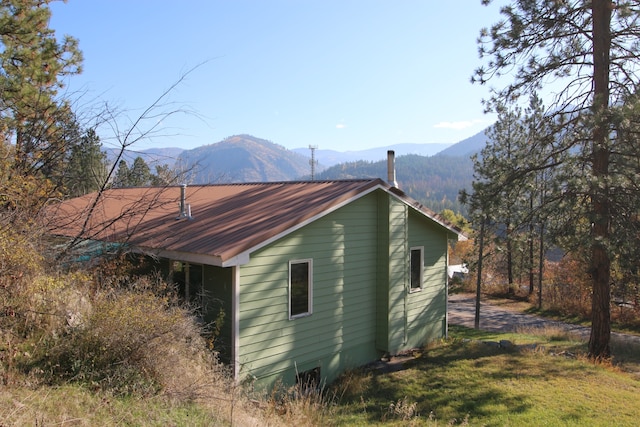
(550, 333)
(78, 352)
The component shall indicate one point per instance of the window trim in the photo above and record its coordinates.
(309, 311)
(421, 279)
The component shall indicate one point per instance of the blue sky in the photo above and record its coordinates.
(343, 75)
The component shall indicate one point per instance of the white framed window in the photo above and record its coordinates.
(416, 268)
(300, 288)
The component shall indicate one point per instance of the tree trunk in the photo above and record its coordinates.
(540, 266)
(509, 259)
(531, 248)
(600, 261)
(476, 322)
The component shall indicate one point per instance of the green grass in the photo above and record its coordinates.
(466, 381)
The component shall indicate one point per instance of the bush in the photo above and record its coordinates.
(134, 341)
(568, 290)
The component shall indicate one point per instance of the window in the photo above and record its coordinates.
(416, 268)
(300, 288)
(308, 381)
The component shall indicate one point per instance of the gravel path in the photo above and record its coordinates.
(498, 319)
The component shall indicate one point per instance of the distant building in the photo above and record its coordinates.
(457, 270)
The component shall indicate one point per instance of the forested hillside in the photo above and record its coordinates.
(433, 181)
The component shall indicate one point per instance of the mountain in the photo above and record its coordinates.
(152, 156)
(331, 157)
(433, 174)
(466, 147)
(242, 158)
(434, 181)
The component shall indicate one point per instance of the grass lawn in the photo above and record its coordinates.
(467, 381)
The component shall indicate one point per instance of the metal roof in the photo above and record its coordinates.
(228, 221)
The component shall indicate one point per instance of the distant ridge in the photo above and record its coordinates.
(433, 174)
(332, 157)
(242, 158)
(434, 181)
(152, 156)
(467, 147)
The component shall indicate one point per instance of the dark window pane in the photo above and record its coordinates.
(299, 288)
(416, 268)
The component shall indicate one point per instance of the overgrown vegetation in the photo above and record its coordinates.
(68, 333)
(540, 377)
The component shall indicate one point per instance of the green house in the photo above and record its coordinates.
(313, 277)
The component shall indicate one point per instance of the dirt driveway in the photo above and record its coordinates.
(500, 319)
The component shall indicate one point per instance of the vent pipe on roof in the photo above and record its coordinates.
(185, 209)
(391, 168)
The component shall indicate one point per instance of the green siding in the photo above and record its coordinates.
(361, 303)
(427, 307)
(341, 331)
(398, 274)
(382, 286)
(407, 320)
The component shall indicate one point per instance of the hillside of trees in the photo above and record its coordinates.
(433, 181)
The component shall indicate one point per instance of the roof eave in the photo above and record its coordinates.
(181, 256)
(244, 256)
(417, 206)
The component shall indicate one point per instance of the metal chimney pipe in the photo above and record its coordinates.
(183, 200)
(391, 168)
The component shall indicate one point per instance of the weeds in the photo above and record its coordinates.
(403, 409)
(550, 333)
(302, 404)
(102, 347)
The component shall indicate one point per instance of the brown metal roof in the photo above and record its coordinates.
(227, 220)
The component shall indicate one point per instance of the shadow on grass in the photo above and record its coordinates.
(463, 377)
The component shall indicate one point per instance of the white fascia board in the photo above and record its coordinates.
(181, 256)
(237, 260)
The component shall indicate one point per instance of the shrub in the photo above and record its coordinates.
(569, 288)
(133, 342)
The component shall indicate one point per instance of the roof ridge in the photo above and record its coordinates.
(269, 183)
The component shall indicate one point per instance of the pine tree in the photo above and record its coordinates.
(87, 167)
(499, 161)
(35, 121)
(33, 66)
(122, 175)
(164, 176)
(591, 49)
(140, 174)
